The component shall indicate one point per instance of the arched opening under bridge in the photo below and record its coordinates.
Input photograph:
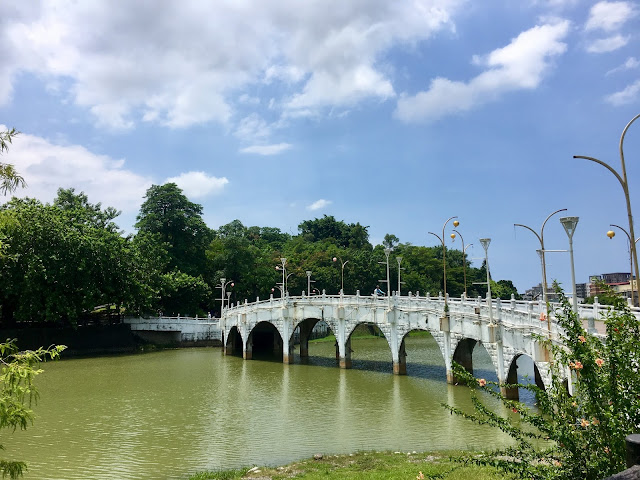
(420, 355)
(524, 371)
(233, 343)
(264, 342)
(473, 356)
(367, 348)
(310, 333)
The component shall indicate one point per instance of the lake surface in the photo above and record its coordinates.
(169, 414)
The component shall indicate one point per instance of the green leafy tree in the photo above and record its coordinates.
(571, 437)
(10, 180)
(178, 223)
(18, 392)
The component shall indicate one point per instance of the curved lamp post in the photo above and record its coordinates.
(223, 286)
(485, 244)
(444, 256)
(542, 259)
(612, 234)
(285, 277)
(335, 259)
(464, 261)
(625, 188)
(399, 259)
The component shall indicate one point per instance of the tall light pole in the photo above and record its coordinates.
(625, 188)
(308, 282)
(284, 275)
(570, 224)
(464, 261)
(444, 258)
(544, 265)
(387, 252)
(223, 286)
(485, 244)
(399, 259)
(612, 234)
(342, 264)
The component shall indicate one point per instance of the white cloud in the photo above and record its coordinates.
(609, 44)
(520, 65)
(319, 204)
(267, 149)
(253, 128)
(46, 167)
(198, 184)
(630, 64)
(186, 63)
(624, 97)
(609, 16)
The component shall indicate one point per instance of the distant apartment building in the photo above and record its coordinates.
(619, 282)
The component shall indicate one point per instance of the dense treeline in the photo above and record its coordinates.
(67, 261)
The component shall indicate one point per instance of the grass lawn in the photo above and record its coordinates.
(363, 465)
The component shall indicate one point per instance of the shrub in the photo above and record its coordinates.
(563, 436)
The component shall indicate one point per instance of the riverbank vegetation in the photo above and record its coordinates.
(365, 466)
(68, 262)
(573, 433)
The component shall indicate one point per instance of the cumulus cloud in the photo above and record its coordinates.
(47, 166)
(521, 65)
(187, 63)
(609, 16)
(198, 184)
(267, 149)
(609, 44)
(319, 204)
(624, 97)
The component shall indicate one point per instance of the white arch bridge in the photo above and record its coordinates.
(506, 329)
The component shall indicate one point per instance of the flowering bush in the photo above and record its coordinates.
(563, 436)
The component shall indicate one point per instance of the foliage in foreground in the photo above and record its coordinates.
(364, 465)
(18, 393)
(580, 436)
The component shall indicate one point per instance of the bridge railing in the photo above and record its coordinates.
(516, 313)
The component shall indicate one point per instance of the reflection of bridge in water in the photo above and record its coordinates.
(506, 329)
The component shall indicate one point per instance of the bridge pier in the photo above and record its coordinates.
(400, 365)
(247, 349)
(305, 331)
(345, 358)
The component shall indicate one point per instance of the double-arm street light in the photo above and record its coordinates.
(625, 188)
(444, 256)
(223, 286)
(612, 234)
(542, 251)
(342, 264)
(285, 277)
(399, 259)
(464, 261)
(387, 252)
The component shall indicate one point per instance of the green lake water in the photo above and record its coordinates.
(169, 414)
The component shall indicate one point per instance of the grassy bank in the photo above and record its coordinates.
(364, 465)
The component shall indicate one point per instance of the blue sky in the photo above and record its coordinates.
(397, 115)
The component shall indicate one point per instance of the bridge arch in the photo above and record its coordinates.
(233, 344)
(265, 339)
(305, 329)
(463, 355)
(512, 376)
(400, 366)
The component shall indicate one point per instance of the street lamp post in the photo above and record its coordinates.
(464, 262)
(612, 234)
(444, 257)
(625, 188)
(570, 224)
(308, 282)
(387, 252)
(485, 244)
(542, 259)
(399, 259)
(223, 286)
(342, 264)
(283, 290)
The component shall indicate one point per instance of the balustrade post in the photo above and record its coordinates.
(530, 312)
(499, 310)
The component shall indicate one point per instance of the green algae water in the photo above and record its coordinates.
(168, 414)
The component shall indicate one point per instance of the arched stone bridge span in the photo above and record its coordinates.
(506, 329)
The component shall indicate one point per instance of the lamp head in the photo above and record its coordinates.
(335, 259)
(453, 236)
(569, 224)
(611, 234)
(485, 243)
(456, 223)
